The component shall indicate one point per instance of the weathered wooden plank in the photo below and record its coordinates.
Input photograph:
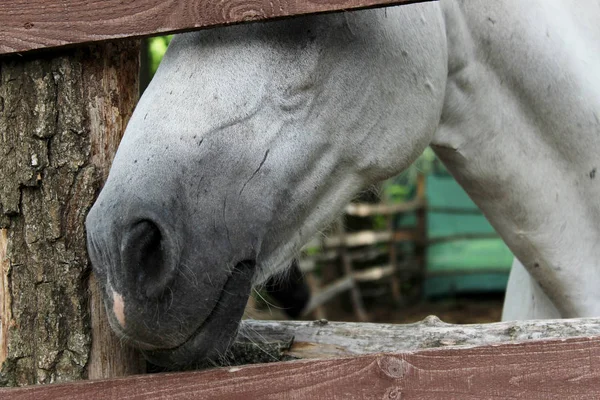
(365, 238)
(375, 273)
(361, 254)
(34, 24)
(323, 295)
(337, 339)
(367, 210)
(355, 296)
(552, 369)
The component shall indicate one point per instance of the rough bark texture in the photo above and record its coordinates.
(61, 118)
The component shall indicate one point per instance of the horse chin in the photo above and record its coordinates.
(217, 332)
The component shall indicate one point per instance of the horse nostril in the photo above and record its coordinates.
(144, 255)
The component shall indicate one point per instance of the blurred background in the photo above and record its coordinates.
(412, 246)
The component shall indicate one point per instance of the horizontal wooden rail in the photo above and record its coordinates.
(562, 368)
(336, 339)
(377, 272)
(361, 254)
(364, 238)
(35, 24)
(341, 285)
(327, 293)
(367, 210)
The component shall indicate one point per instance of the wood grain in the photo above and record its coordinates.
(61, 118)
(5, 311)
(112, 78)
(555, 369)
(34, 24)
(322, 339)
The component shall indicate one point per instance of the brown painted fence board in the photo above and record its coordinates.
(34, 24)
(550, 369)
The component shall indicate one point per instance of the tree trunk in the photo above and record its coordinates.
(62, 116)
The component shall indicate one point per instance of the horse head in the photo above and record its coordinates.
(248, 141)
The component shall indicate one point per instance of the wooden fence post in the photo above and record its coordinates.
(61, 118)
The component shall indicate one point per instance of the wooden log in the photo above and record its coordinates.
(367, 210)
(362, 254)
(420, 249)
(308, 263)
(61, 119)
(356, 297)
(548, 369)
(376, 273)
(322, 295)
(325, 294)
(318, 339)
(35, 24)
(391, 224)
(365, 238)
(317, 311)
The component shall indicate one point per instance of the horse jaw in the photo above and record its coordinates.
(247, 142)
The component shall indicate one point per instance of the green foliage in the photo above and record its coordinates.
(424, 164)
(157, 46)
(312, 251)
(379, 222)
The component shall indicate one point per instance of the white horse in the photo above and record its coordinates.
(251, 138)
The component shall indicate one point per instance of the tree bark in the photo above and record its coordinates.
(62, 116)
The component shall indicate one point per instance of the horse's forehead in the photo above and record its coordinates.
(231, 66)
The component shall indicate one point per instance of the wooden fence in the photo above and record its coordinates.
(430, 360)
(367, 246)
(62, 114)
(36, 24)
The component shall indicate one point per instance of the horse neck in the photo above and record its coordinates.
(520, 133)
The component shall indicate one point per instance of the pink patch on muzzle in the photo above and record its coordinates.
(119, 308)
